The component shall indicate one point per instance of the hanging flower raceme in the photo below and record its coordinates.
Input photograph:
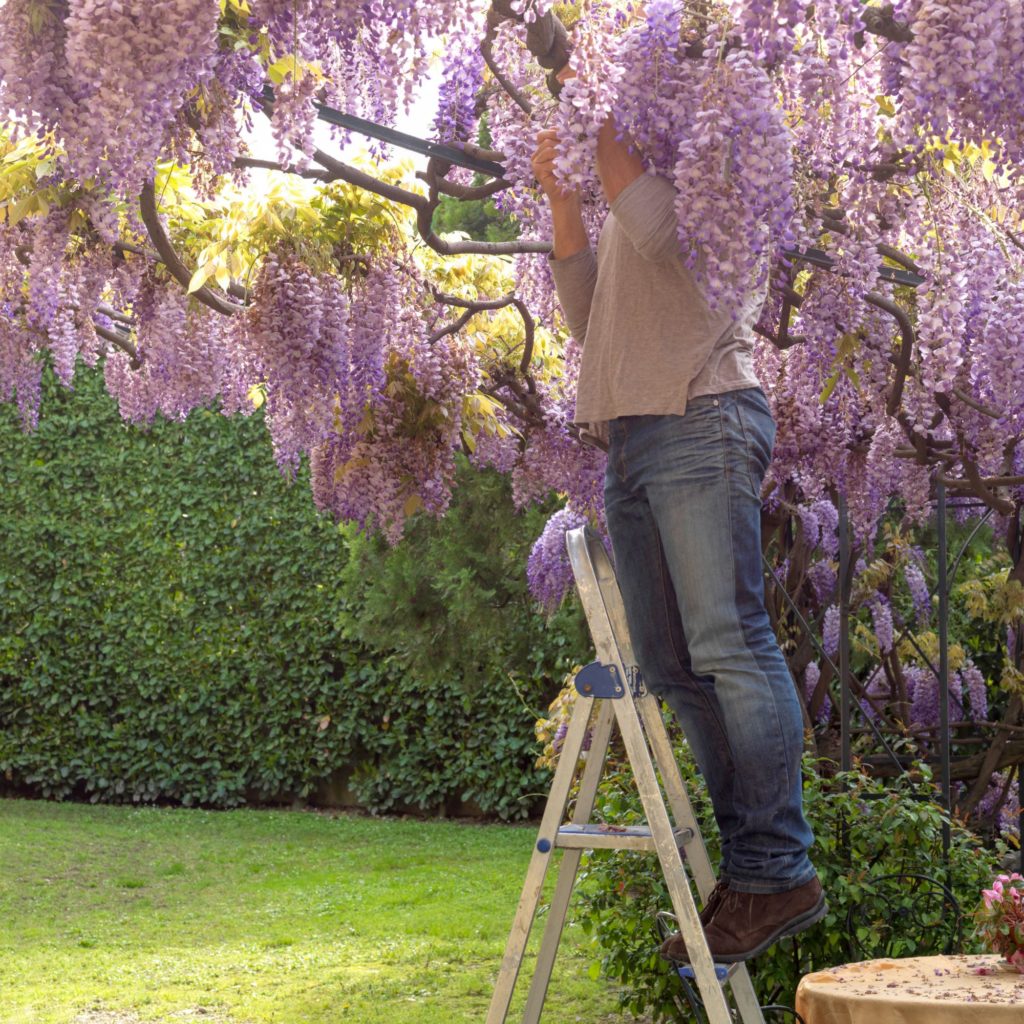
(131, 67)
(397, 419)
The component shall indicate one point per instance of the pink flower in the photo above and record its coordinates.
(993, 895)
(1017, 960)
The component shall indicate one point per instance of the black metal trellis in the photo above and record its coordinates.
(847, 701)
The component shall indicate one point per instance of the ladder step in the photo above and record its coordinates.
(614, 837)
(722, 971)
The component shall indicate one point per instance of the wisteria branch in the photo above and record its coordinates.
(114, 314)
(338, 170)
(436, 170)
(119, 340)
(903, 361)
(468, 192)
(487, 50)
(1001, 505)
(162, 242)
(988, 481)
(250, 162)
(999, 755)
(474, 306)
(881, 21)
(518, 395)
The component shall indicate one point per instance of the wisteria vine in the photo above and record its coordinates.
(885, 139)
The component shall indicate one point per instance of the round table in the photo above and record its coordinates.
(921, 990)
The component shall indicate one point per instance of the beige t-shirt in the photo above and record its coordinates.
(650, 342)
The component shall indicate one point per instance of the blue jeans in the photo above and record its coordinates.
(683, 498)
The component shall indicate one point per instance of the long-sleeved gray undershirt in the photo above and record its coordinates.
(650, 342)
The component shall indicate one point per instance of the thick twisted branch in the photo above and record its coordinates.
(114, 314)
(989, 481)
(425, 207)
(520, 396)
(1001, 505)
(903, 361)
(487, 49)
(894, 254)
(338, 170)
(468, 192)
(881, 21)
(162, 243)
(1001, 754)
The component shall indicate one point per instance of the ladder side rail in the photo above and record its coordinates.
(529, 900)
(675, 789)
(742, 987)
(605, 613)
(697, 857)
(568, 868)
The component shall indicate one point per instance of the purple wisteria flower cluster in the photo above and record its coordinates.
(175, 376)
(398, 414)
(780, 122)
(964, 68)
(711, 124)
(548, 570)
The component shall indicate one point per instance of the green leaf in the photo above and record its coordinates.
(202, 274)
(830, 386)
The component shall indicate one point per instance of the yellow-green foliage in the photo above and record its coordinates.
(993, 597)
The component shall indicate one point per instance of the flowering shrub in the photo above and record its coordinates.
(1001, 918)
(866, 830)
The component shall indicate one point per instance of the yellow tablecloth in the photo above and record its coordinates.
(923, 990)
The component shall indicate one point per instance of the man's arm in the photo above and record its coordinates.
(643, 204)
(573, 264)
(617, 167)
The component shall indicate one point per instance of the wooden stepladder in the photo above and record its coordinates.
(611, 693)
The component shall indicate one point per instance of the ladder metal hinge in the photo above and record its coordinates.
(599, 681)
(603, 682)
(636, 681)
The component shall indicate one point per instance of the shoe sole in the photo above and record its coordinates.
(799, 924)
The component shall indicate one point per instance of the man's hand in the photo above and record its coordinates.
(566, 217)
(543, 164)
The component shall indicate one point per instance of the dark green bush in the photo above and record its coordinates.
(865, 829)
(177, 623)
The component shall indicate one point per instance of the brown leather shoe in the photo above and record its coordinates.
(674, 947)
(746, 924)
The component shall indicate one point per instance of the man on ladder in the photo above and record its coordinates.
(669, 385)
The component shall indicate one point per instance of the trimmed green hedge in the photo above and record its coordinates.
(177, 624)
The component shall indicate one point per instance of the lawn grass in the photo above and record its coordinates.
(114, 915)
